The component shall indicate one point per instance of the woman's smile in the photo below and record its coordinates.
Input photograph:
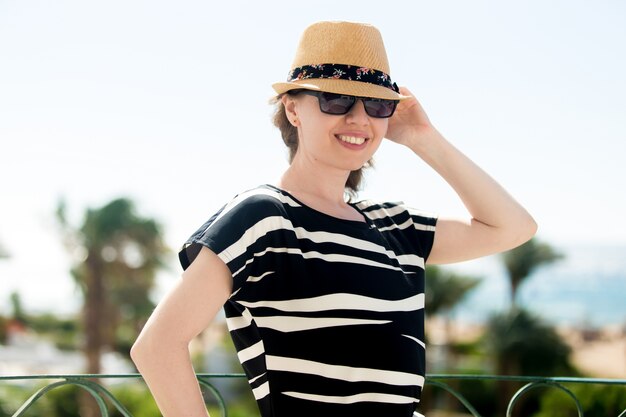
(354, 140)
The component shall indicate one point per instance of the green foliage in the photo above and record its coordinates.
(64, 401)
(137, 400)
(236, 410)
(445, 289)
(134, 396)
(127, 250)
(59, 402)
(63, 332)
(479, 393)
(470, 348)
(11, 398)
(596, 400)
(522, 344)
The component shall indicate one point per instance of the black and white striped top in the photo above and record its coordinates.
(326, 314)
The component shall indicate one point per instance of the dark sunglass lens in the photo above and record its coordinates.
(380, 108)
(335, 103)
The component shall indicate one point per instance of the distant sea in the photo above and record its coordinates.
(587, 288)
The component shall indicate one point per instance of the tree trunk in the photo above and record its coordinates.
(87, 406)
(505, 390)
(93, 312)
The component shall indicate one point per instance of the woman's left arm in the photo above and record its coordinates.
(497, 222)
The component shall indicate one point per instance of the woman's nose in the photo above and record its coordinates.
(357, 113)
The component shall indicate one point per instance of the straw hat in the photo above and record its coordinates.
(344, 58)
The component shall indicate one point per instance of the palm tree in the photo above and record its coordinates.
(122, 253)
(523, 260)
(521, 343)
(524, 344)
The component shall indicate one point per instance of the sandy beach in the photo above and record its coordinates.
(597, 353)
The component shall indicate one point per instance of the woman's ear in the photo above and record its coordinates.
(291, 110)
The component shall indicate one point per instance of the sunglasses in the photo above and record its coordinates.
(339, 104)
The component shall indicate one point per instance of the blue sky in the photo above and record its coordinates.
(166, 102)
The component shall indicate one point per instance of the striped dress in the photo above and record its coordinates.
(326, 314)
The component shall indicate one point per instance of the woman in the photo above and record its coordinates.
(323, 296)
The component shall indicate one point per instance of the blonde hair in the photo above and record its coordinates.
(289, 134)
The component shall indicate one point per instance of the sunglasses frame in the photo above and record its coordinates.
(317, 94)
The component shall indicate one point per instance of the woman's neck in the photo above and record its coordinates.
(322, 191)
(324, 186)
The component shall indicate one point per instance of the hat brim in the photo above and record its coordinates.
(339, 86)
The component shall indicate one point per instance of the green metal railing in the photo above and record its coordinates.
(101, 395)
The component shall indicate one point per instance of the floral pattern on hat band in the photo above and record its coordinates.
(343, 72)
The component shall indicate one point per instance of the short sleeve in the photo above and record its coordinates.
(412, 230)
(424, 226)
(238, 231)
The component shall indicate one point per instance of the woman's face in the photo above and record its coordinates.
(340, 142)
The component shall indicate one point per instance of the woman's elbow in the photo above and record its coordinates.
(530, 228)
(143, 350)
(525, 230)
(137, 351)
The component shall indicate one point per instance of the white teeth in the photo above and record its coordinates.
(352, 139)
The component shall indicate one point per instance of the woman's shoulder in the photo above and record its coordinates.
(372, 205)
(264, 199)
(394, 210)
(380, 209)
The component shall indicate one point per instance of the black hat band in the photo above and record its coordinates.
(342, 72)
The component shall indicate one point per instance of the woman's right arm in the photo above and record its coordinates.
(161, 352)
